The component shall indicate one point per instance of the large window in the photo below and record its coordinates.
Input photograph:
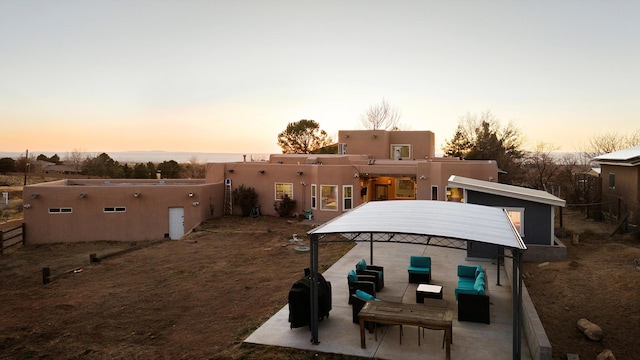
(405, 189)
(455, 194)
(329, 197)
(347, 196)
(612, 180)
(517, 218)
(434, 192)
(314, 196)
(282, 189)
(401, 152)
(114, 209)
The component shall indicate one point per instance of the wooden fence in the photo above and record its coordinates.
(11, 237)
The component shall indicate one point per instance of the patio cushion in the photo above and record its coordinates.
(421, 270)
(361, 265)
(366, 296)
(467, 271)
(352, 277)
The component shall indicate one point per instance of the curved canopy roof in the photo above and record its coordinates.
(461, 221)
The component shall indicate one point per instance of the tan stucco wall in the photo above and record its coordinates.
(146, 217)
(626, 191)
(377, 143)
(381, 175)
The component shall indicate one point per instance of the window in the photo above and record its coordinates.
(434, 192)
(400, 152)
(329, 197)
(517, 218)
(455, 194)
(64, 210)
(347, 197)
(115, 209)
(282, 189)
(314, 196)
(405, 189)
(612, 180)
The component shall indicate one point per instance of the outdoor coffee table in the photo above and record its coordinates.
(428, 291)
(433, 314)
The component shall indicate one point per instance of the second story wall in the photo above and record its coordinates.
(381, 144)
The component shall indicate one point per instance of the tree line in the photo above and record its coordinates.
(105, 167)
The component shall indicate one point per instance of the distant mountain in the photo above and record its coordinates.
(156, 156)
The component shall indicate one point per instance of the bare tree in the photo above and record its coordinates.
(610, 142)
(76, 159)
(381, 116)
(193, 169)
(541, 165)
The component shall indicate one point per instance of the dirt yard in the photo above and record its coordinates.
(199, 298)
(600, 281)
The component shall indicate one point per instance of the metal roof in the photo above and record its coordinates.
(517, 192)
(462, 221)
(630, 155)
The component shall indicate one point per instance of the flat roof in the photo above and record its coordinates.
(453, 220)
(629, 156)
(516, 192)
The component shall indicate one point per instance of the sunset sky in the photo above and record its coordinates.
(228, 76)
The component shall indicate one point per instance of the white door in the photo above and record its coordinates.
(176, 223)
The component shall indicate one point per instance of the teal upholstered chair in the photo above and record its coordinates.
(419, 269)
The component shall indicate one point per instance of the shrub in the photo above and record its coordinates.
(285, 206)
(246, 197)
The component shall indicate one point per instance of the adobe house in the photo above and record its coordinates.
(532, 213)
(620, 172)
(116, 209)
(373, 165)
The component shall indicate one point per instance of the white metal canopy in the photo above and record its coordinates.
(472, 222)
(426, 218)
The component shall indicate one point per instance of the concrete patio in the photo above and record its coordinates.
(338, 334)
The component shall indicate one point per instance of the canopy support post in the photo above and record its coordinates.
(370, 248)
(517, 302)
(313, 296)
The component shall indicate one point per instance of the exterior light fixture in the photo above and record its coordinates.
(191, 194)
(230, 171)
(26, 206)
(356, 175)
(136, 194)
(35, 196)
(422, 177)
(195, 203)
(83, 195)
(260, 171)
(299, 173)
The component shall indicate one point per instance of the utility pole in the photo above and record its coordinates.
(26, 166)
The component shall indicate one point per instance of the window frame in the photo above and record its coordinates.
(314, 196)
(519, 210)
(322, 198)
(409, 148)
(612, 180)
(114, 209)
(448, 195)
(345, 197)
(400, 193)
(60, 210)
(290, 192)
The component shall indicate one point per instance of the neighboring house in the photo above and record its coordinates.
(531, 211)
(372, 165)
(620, 172)
(60, 169)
